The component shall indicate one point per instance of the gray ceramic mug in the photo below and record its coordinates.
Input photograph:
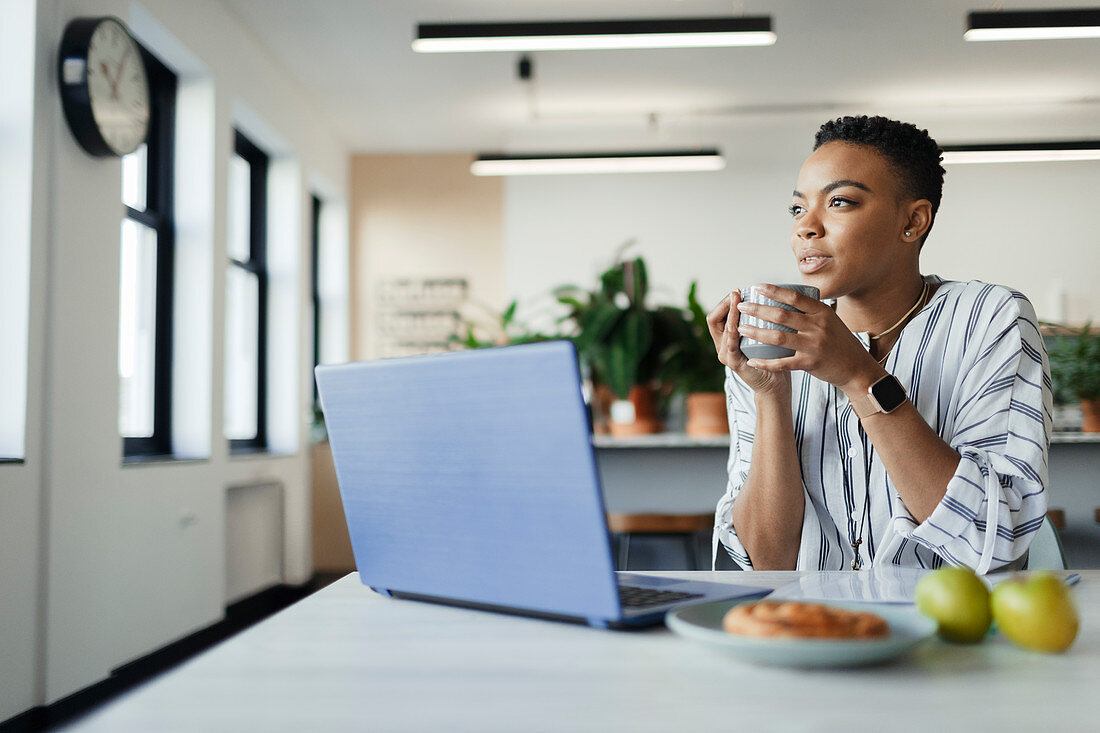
(753, 349)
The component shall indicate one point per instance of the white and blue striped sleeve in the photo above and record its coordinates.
(1000, 426)
(741, 412)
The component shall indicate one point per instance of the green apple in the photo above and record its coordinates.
(1036, 612)
(958, 601)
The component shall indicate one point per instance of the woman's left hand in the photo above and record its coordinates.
(823, 345)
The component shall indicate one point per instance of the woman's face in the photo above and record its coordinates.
(849, 219)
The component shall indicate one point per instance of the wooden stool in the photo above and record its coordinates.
(1057, 517)
(684, 526)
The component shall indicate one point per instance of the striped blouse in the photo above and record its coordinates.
(974, 365)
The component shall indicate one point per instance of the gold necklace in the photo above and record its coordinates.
(923, 292)
(920, 301)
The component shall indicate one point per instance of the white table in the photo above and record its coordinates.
(348, 659)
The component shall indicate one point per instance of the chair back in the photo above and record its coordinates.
(1046, 551)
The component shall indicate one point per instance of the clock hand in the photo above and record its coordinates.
(118, 74)
(121, 66)
(107, 74)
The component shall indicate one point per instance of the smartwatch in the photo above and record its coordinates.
(885, 395)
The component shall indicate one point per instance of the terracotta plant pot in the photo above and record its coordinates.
(1090, 409)
(600, 404)
(706, 414)
(636, 415)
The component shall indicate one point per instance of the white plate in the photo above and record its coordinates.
(703, 622)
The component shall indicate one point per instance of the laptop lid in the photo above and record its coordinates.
(471, 476)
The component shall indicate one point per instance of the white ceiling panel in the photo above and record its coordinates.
(355, 56)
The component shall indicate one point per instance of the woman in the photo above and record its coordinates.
(912, 424)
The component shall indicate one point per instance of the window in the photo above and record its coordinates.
(17, 79)
(146, 277)
(246, 300)
(329, 284)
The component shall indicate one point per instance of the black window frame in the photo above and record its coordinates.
(315, 278)
(258, 162)
(159, 215)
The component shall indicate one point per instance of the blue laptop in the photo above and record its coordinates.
(469, 478)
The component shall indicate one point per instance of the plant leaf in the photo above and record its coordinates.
(698, 315)
(509, 313)
(572, 302)
(641, 282)
(620, 372)
(596, 324)
(612, 282)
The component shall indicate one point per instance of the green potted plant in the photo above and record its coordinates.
(498, 330)
(692, 369)
(620, 341)
(1075, 370)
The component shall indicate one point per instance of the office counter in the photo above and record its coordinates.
(674, 473)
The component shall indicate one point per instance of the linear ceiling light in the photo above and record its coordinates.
(1032, 25)
(636, 162)
(1021, 152)
(594, 34)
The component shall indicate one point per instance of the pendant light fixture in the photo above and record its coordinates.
(1032, 25)
(669, 161)
(1046, 152)
(594, 34)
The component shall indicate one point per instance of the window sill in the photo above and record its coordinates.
(161, 459)
(257, 453)
(14, 461)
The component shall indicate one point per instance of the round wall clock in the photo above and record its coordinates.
(104, 89)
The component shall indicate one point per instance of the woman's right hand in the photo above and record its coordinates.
(722, 322)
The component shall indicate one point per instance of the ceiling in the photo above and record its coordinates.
(354, 58)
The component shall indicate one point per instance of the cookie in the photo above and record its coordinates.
(795, 620)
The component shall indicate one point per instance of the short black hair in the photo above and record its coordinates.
(911, 152)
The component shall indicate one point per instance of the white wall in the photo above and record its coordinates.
(121, 560)
(1030, 226)
(422, 216)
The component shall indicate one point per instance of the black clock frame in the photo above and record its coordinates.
(75, 97)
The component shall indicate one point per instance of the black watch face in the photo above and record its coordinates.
(888, 393)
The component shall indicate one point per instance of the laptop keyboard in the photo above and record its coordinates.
(633, 597)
